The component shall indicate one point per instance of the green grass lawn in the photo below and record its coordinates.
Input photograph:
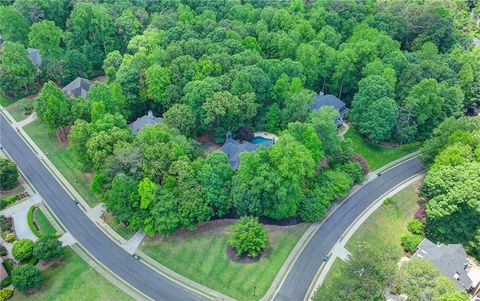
(42, 222)
(73, 279)
(387, 223)
(63, 158)
(384, 226)
(5, 101)
(15, 191)
(377, 156)
(201, 256)
(16, 109)
(121, 229)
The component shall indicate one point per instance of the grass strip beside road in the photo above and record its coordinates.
(62, 157)
(45, 227)
(387, 223)
(73, 279)
(201, 256)
(376, 155)
(121, 229)
(384, 227)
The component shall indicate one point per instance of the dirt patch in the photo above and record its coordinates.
(89, 176)
(207, 142)
(101, 78)
(42, 265)
(243, 258)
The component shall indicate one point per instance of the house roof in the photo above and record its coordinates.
(451, 260)
(78, 87)
(34, 56)
(322, 100)
(138, 124)
(233, 148)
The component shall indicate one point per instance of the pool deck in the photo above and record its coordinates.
(266, 135)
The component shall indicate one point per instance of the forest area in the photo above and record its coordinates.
(403, 67)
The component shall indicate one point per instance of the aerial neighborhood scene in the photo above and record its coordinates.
(287, 150)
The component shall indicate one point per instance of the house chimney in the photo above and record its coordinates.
(229, 135)
(150, 113)
(321, 93)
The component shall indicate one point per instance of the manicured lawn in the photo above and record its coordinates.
(15, 191)
(377, 156)
(63, 158)
(201, 256)
(73, 279)
(384, 226)
(121, 229)
(16, 109)
(5, 101)
(387, 223)
(42, 222)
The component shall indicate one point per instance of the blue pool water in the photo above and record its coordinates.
(262, 140)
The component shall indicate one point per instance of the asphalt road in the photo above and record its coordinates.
(298, 280)
(87, 234)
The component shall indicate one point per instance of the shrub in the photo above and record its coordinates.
(6, 293)
(10, 199)
(31, 224)
(415, 227)
(410, 242)
(3, 219)
(7, 281)
(47, 248)
(26, 277)
(245, 134)
(9, 237)
(420, 213)
(363, 163)
(22, 249)
(3, 251)
(354, 171)
(248, 236)
(8, 174)
(8, 265)
(315, 205)
(3, 204)
(388, 201)
(6, 227)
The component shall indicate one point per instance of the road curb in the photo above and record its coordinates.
(310, 232)
(348, 233)
(83, 205)
(181, 280)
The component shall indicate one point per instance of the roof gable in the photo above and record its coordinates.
(322, 100)
(451, 260)
(148, 119)
(78, 87)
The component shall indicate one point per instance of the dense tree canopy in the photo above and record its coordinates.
(208, 69)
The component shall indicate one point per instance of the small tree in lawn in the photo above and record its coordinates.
(26, 277)
(22, 249)
(8, 174)
(248, 236)
(47, 248)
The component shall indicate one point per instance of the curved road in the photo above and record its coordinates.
(85, 232)
(299, 278)
(153, 284)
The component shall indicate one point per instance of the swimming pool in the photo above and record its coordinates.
(262, 140)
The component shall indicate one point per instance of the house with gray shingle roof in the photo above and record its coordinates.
(452, 261)
(233, 148)
(78, 87)
(329, 100)
(35, 56)
(138, 124)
